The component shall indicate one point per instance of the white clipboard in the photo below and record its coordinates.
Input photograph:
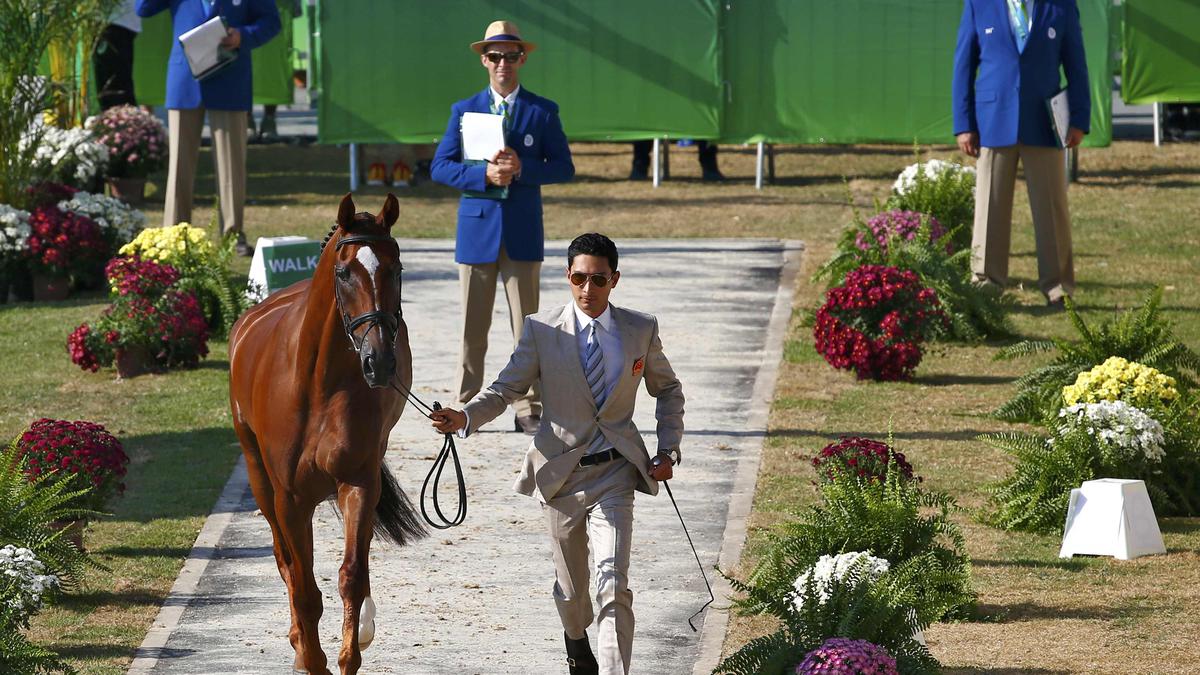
(202, 47)
(1060, 116)
(482, 136)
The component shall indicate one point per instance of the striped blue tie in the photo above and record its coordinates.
(593, 368)
(1019, 18)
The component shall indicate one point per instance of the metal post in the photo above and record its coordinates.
(1157, 124)
(654, 161)
(354, 167)
(758, 166)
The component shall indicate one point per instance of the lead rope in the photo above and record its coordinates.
(434, 477)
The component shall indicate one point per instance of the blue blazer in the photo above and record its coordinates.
(537, 136)
(231, 89)
(1001, 93)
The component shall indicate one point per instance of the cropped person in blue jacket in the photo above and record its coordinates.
(226, 96)
(1006, 66)
(500, 213)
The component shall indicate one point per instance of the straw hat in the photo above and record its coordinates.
(502, 32)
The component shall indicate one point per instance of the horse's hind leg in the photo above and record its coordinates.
(357, 504)
(295, 526)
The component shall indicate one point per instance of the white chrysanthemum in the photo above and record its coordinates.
(932, 169)
(1123, 430)
(73, 155)
(14, 229)
(110, 214)
(844, 567)
(26, 577)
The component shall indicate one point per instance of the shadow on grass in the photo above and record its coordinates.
(181, 476)
(1028, 611)
(90, 652)
(1069, 565)
(959, 435)
(91, 600)
(1179, 525)
(1002, 670)
(178, 552)
(947, 379)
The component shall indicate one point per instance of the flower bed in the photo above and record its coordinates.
(860, 458)
(897, 224)
(1118, 379)
(136, 141)
(944, 190)
(64, 244)
(876, 322)
(843, 656)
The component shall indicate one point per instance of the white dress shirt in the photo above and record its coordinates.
(510, 99)
(610, 344)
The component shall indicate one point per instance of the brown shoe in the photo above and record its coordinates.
(528, 424)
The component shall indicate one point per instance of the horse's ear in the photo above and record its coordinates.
(345, 216)
(390, 211)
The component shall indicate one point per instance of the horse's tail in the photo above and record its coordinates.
(395, 518)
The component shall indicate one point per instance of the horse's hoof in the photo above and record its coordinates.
(366, 623)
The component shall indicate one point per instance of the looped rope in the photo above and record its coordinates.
(449, 451)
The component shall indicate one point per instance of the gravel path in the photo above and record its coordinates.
(476, 599)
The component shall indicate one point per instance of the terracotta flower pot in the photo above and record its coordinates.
(134, 362)
(132, 191)
(47, 287)
(73, 530)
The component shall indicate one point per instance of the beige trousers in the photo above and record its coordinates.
(521, 282)
(595, 505)
(1046, 182)
(229, 146)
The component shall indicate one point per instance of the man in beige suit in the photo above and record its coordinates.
(588, 458)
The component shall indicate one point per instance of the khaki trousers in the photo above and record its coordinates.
(521, 283)
(229, 146)
(595, 505)
(1046, 182)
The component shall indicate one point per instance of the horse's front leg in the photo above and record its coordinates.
(357, 503)
(295, 524)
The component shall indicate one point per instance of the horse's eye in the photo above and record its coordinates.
(342, 273)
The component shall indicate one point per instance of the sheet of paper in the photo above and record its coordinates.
(202, 45)
(1060, 116)
(482, 134)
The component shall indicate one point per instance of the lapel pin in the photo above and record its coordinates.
(528, 140)
(638, 366)
(1051, 33)
(988, 30)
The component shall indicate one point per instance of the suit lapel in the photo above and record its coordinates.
(521, 118)
(569, 350)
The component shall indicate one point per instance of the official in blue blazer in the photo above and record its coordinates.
(1006, 66)
(226, 96)
(500, 213)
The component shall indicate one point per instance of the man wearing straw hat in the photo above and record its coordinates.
(500, 212)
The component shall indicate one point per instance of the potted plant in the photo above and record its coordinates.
(62, 246)
(54, 450)
(14, 239)
(137, 147)
(151, 324)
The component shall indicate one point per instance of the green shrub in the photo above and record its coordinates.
(944, 190)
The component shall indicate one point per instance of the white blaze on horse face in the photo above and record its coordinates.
(366, 257)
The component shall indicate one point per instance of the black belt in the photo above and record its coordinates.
(599, 457)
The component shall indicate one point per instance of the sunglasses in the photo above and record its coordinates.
(598, 280)
(509, 57)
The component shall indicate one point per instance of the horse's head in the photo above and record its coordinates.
(366, 284)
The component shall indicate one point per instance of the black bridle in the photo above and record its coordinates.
(389, 324)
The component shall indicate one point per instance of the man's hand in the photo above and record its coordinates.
(1074, 137)
(968, 142)
(508, 160)
(448, 421)
(232, 39)
(660, 467)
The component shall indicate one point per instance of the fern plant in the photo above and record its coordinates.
(19, 655)
(1142, 335)
(221, 300)
(893, 520)
(857, 607)
(944, 190)
(974, 312)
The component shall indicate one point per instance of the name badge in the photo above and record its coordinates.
(528, 140)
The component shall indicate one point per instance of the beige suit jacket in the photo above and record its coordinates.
(548, 351)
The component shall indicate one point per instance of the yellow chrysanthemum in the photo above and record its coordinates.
(1119, 379)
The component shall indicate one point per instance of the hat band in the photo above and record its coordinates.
(503, 37)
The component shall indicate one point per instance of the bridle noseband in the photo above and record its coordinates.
(387, 322)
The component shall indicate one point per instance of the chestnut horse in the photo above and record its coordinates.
(312, 394)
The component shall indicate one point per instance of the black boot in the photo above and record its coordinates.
(579, 657)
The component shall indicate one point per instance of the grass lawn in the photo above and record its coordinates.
(1134, 227)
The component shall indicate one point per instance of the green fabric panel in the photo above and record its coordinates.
(619, 70)
(1095, 17)
(840, 72)
(273, 63)
(151, 50)
(1160, 47)
(863, 70)
(301, 47)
